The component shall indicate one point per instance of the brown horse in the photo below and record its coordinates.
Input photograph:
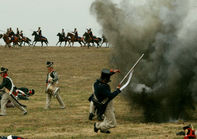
(88, 39)
(73, 39)
(25, 40)
(6, 39)
(14, 39)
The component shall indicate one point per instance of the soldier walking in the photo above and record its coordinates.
(9, 89)
(52, 88)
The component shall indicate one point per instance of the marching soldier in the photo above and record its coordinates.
(9, 89)
(102, 100)
(52, 88)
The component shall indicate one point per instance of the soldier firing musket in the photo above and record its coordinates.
(102, 98)
(52, 88)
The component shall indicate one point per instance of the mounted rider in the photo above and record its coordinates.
(7, 31)
(9, 88)
(90, 33)
(63, 34)
(11, 34)
(17, 32)
(39, 32)
(75, 32)
(21, 35)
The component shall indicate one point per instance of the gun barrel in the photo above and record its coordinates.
(132, 68)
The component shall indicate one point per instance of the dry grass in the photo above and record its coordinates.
(78, 68)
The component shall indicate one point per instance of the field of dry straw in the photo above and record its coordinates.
(78, 68)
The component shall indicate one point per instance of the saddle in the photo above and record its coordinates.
(42, 38)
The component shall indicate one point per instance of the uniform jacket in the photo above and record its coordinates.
(103, 91)
(52, 75)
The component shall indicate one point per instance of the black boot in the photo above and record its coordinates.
(95, 128)
(91, 115)
(107, 131)
(100, 117)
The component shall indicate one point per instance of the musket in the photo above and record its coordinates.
(132, 68)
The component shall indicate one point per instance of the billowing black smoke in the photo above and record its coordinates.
(165, 81)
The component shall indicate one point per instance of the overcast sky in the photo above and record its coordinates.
(50, 15)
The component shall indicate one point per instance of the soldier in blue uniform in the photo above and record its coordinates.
(102, 100)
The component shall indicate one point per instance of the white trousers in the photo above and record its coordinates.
(92, 108)
(4, 100)
(51, 92)
(109, 118)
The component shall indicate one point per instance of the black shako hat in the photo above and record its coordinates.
(3, 70)
(106, 74)
(49, 64)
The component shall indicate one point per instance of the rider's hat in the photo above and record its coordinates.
(49, 64)
(3, 70)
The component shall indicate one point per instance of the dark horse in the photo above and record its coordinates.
(88, 39)
(38, 38)
(73, 39)
(63, 39)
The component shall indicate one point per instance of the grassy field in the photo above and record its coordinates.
(78, 68)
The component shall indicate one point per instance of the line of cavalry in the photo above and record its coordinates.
(18, 39)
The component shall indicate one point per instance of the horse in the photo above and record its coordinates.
(1, 35)
(73, 39)
(104, 40)
(88, 39)
(6, 39)
(38, 38)
(14, 39)
(25, 40)
(97, 40)
(63, 39)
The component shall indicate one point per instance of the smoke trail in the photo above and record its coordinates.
(166, 32)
